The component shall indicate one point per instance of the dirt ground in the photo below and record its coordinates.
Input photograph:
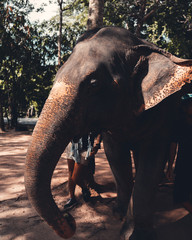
(95, 220)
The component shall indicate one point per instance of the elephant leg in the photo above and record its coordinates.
(119, 158)
(71, 183)
(151, 157)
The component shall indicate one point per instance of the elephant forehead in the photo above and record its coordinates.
(85, 59)
(76, 70)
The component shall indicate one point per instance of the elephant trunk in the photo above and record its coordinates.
(51, 135)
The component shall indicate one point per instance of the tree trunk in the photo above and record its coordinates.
(13, 114)
(13, 105)
(140, 18)
(2, 124)
(96, 11)
(60, 2)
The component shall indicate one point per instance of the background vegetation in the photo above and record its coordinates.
(29, 51)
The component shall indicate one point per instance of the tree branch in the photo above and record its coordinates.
(143, 17)
(69, 6)
(148, 15)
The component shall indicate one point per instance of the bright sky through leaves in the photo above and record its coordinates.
(49, 11)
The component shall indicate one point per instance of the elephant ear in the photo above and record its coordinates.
(164, 75)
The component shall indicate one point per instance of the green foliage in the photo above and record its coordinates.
(117, 13)
(75, 15)
(172, 22)
(23, 61)
(167, 23)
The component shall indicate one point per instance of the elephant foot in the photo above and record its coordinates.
(127, 228)
(141, 234)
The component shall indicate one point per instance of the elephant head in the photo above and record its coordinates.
(110, 78)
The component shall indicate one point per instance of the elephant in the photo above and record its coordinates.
(128, 89)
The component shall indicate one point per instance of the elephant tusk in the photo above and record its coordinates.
(116, 82)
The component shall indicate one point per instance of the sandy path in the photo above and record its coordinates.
(18, 220)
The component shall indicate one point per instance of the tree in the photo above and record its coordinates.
(2, 124)
(25, 53)
(132, 14)
(146, 10)
(14, 39)
(70, 23)
(96, 11)
(170, 27)
(60, 2)
(166, 23)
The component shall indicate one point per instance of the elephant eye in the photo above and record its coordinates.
(94, 85)
(93, 82)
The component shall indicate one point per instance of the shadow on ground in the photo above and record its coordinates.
(95, 220)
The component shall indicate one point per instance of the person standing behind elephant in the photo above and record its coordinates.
(181, 146)
(81, 167)
(94, 146)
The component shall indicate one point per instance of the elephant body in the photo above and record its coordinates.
(126, 88)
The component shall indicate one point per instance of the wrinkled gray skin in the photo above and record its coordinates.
(115, 83)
